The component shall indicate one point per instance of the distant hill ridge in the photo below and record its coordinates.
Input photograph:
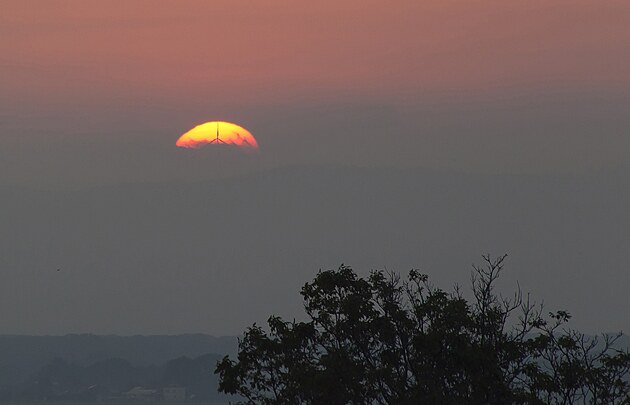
(22, 355)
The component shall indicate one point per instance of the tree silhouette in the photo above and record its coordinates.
(384, 340)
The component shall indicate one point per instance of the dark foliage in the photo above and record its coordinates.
(194, 374)
(384, 340)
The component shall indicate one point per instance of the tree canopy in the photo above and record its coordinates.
(385, 339)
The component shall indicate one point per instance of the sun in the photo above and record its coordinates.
(217, 133)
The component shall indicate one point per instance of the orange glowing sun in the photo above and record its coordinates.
(217, 133)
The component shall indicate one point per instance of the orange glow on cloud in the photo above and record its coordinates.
(219, 133)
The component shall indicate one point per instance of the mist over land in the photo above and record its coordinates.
(88, 368)
(23, 356)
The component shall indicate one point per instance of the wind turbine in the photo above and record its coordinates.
(217, 140)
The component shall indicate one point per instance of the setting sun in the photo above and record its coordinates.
(218, 133)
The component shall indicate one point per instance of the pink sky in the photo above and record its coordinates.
(275, 51)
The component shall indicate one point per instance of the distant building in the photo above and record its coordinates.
(142, 394)
(174, 393)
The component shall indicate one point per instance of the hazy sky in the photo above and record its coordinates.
(93, 96)
(539, 85)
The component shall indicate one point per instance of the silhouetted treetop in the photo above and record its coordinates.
(388, 340)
